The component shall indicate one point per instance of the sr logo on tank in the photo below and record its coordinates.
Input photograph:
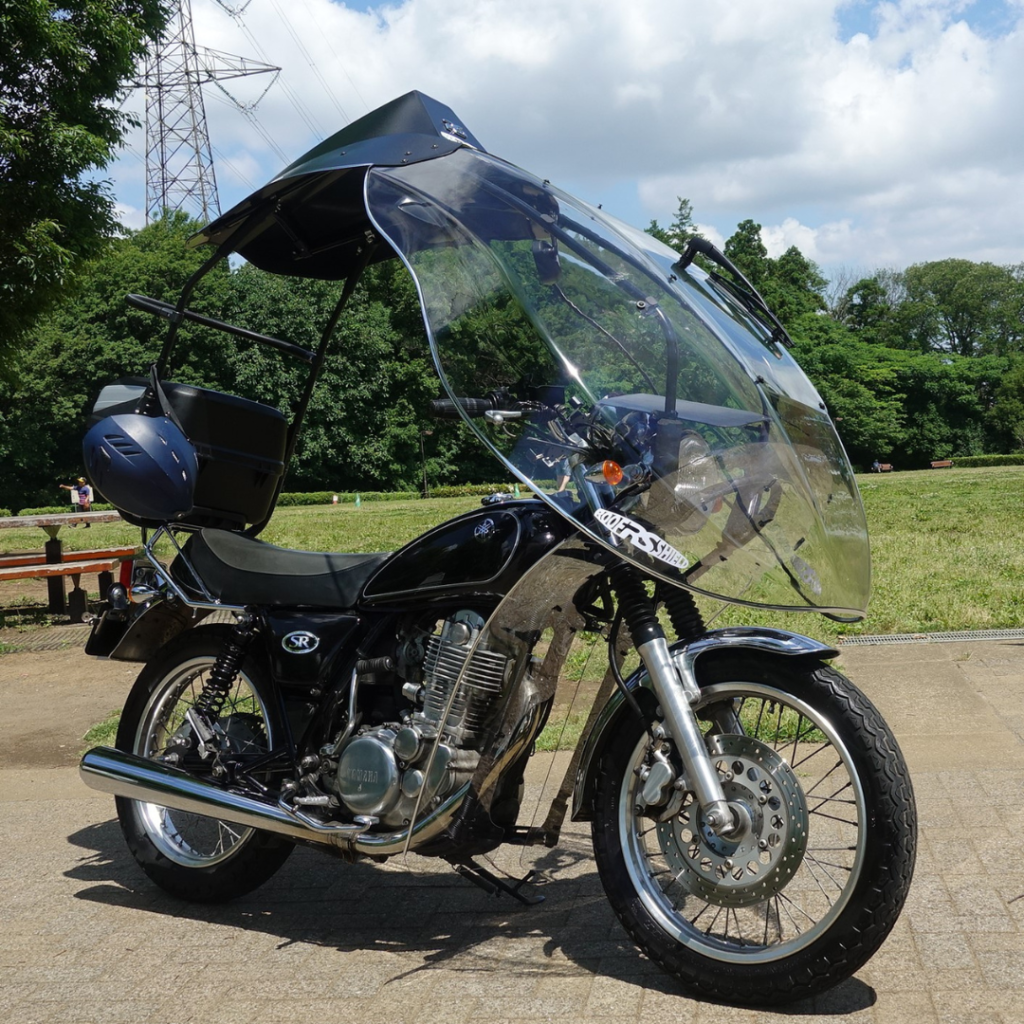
(641, 538)
(300, 642)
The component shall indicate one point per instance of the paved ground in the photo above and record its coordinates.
(86, 938)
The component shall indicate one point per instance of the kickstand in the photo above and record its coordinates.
(494, 885)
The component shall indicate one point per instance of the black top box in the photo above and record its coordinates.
(241, 446)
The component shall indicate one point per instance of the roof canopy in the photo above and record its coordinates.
(310, 220)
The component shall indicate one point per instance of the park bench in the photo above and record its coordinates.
(885, 467)
(33, 565)
(942, 464)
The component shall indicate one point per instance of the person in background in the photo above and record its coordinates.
(73, 488)
(84, 495)
(81, 495)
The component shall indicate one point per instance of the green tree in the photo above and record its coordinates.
(362, 427)
(860, 385)
(975, 307)
(680, 230)
(946, 398)
(1005, 417)
(870, 310)
(64, 65)
(900, 406)
(92, 338)
(745, 248)
(793, 286)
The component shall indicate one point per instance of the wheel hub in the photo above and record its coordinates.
(760, 859)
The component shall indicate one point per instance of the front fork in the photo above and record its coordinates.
(677, 696)
(677, 692)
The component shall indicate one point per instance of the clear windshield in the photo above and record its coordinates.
(681, 437)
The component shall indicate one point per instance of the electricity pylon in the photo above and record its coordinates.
(179, 163)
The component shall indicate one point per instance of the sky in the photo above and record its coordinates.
(868, 134)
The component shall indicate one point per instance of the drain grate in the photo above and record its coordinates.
(45, 638)
(935, 638)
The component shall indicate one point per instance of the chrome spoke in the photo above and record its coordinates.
(779, 887)
(189, 839)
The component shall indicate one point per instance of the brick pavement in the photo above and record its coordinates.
(86, 938)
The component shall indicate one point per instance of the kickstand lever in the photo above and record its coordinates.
(494, 885)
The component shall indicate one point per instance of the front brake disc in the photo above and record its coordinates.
(759, 863)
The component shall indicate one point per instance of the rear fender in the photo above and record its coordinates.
(138, 638)
(770, 642)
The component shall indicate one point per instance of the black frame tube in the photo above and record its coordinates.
(160, 308)
(321, 354)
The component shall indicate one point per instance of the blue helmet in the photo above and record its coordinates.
(143, 465)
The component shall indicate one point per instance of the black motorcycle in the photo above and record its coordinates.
(753, 819)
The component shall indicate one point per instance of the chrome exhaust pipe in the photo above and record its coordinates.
(122, 774)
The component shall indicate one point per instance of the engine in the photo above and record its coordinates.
(383, 771)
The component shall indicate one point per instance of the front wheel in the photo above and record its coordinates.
(192, 856)
(813, 882)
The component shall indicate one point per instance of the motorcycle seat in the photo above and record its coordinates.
(242, 570)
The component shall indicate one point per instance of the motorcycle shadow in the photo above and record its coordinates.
(421, 910)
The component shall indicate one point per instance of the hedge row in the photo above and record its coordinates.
(322, 498)
(349, 497)
(327, 497)
(967, 461)
(56, 510)
(471, 490)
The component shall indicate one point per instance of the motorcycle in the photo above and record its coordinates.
(752, 816)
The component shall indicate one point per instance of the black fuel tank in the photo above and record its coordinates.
(480, 551)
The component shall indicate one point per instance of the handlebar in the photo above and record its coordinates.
(445, 408)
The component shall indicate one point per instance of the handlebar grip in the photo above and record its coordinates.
(445, 408)
(155, 306)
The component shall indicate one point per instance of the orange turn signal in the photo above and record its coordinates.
(612, 472)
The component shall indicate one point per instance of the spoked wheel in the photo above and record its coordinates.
(808, 887)
(192, 856)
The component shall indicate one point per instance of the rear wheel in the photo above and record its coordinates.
(192, 856)
(814, 883)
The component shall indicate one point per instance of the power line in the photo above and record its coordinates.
(309, 59)
(341, 64)
(250, 115)
(296, 101)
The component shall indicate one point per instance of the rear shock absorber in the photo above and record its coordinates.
(217, 686)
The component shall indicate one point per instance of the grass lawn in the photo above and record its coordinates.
(947, 554)
(947, 549)
(946, 546)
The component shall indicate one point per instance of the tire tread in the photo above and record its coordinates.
(881, 890)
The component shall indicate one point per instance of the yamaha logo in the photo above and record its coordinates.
(300, 642)
(484, 529)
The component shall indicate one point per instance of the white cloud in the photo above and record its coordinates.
(879, 147)
(777, 239)
(130, 216)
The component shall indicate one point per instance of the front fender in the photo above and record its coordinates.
(771, 642)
